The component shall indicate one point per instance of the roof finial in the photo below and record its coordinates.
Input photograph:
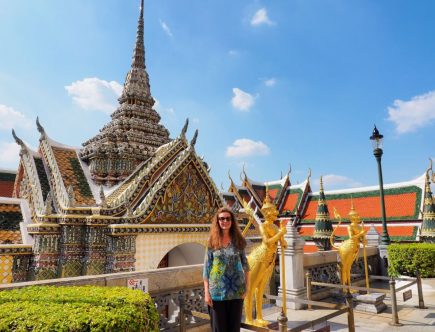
(321, 183)
(40, 127)
(18, 140)
(184, 130)
(195, 137)
(229, 176)
(139, 50)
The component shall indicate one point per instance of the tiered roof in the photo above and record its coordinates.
(403, 201)
(134, 132)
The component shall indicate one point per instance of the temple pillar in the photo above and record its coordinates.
(120, 253)
(71, 249)
(294, 267)
(46, 251)
(95, 249)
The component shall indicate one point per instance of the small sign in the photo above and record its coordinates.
(141, 284)
(407, 295)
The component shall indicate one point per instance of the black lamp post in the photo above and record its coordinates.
(376, 139)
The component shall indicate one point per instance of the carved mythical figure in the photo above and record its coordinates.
(262, 259)
(349, 249)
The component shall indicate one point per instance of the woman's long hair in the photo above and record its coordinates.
(216, 233)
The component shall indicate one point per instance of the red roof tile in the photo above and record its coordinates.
(291, 201)
(6, 188)
(397, 206)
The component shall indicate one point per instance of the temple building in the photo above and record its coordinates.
(132, 198)
(409, 207)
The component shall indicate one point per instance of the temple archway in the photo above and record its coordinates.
(183, 254)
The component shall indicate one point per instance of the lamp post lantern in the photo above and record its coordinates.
(376, 139)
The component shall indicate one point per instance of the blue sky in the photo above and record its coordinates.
(267, 83)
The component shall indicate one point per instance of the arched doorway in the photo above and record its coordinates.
(184, 254)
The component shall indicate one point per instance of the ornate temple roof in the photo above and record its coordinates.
(403, 201)
(134, 133)
(12, 213)
(7, 179)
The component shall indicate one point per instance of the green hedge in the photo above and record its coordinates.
(405, 259)
(81, 308)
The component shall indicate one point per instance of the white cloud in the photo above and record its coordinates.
(12, 119)
(410, 115)
(166, 28)
(10, 154)
(163, 110)
(94, 94)
(270, 82)
(242, 100)
(260, 17)
(245, 147)
(333, 181)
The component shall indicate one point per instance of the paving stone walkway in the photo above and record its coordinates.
(412, 318)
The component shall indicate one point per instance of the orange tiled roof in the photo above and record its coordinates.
(10, 237)
(72, 173)
(399, 205)
(273, 193)
(291, 202)
(395, 232)
(6, 188)
(260, 191)
(7, 207)
(308, 248)
(10, 218)
(7, 180)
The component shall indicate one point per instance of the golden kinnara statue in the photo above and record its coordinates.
(349, 249)
(262, 259)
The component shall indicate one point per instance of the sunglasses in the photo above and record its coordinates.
(224, 218)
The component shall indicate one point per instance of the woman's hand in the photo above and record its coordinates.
(207, 299)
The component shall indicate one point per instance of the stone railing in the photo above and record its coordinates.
(323, 267)
(166, 286)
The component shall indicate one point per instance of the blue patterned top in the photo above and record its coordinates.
(225, 271)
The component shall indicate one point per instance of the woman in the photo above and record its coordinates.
(226, 273)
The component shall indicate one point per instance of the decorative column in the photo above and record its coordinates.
(121, 248)
(95, 248)
(46, 250)
(71, 247)
(294, 267)
(323, 225)
(428, 224)
(373, 237)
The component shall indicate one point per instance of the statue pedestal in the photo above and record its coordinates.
(294, 268)
(373, 302)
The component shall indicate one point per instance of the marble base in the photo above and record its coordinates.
(373, 302)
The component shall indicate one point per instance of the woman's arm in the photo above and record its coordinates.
(208, 260)
(247, 282)
(207, 297)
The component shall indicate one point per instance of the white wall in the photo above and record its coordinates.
(186, 254)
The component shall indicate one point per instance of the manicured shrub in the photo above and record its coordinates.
(82, 308)
(406, 259)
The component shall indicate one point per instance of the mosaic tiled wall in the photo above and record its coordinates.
(151, 248)
(6, 269)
